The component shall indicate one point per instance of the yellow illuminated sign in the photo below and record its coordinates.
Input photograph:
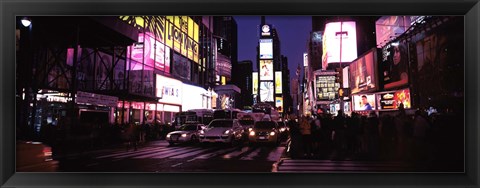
(278, 82)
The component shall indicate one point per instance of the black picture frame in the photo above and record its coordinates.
(9, 9)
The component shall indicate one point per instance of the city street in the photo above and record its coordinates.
(157, 156)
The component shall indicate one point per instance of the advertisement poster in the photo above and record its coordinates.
(181, 66)
(326, 88)
(170, 90)
(278, 82)
(364, 102)
(392, 100)
(362, 73)
(395, 65)
(340, 36)
(279, 103)
(266, 91)
(266, 48)
(266, 70)
(255, 82)
(151, 52)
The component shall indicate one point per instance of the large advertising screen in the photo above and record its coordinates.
(170, 90)
(326, 88)
(395, 65)
(255, 83)
(266, 91)
(363, 73)
(278, 82)
(392, 100)
(364, 102)
(279, 104)
(340, 38)
(180, 33)
(266, 70)
(151, 52)
(266, 48)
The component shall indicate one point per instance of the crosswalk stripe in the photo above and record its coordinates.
(192, 153)
(176, 153)
(235, 153)
(251, 155)
(161, 153)
(341, 166)
(209, 155)
(131, 152)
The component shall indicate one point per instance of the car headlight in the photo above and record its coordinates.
(226, 132)
(252, 133)
(168, 136)
(272, 133)
(184, 135)
(202, 132)
(282, 129)
(250, 129)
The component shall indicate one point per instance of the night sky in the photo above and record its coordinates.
(292, 30)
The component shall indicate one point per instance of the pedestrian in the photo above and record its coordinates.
(420, 129)
(132, 135)
(295, 138)
(339, 135)
(400, 122)
(372, 133)
(317, 135)
(305, 130)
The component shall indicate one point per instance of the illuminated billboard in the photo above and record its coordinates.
(389, 27)
(339, 38)
(266, 92)
(392, 100)
(279, 103)
(265, 30)
(266, 70)
(182, 35)
(278, 82)
(305, 59)
(395, 65)
(170, 90)
(326, 88)
(266, 48)
(362, 73)
(364, 102)
(255, 82)
(179, 33)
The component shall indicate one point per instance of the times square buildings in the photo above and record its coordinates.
(414, 61)
(145, 69)
(121, 69)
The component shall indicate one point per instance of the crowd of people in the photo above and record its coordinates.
(67, 138)
(392, 136)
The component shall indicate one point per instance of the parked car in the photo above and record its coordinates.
(264, 132)
(186, 133)
(223, 131)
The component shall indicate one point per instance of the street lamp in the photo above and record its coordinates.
(26, 21)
